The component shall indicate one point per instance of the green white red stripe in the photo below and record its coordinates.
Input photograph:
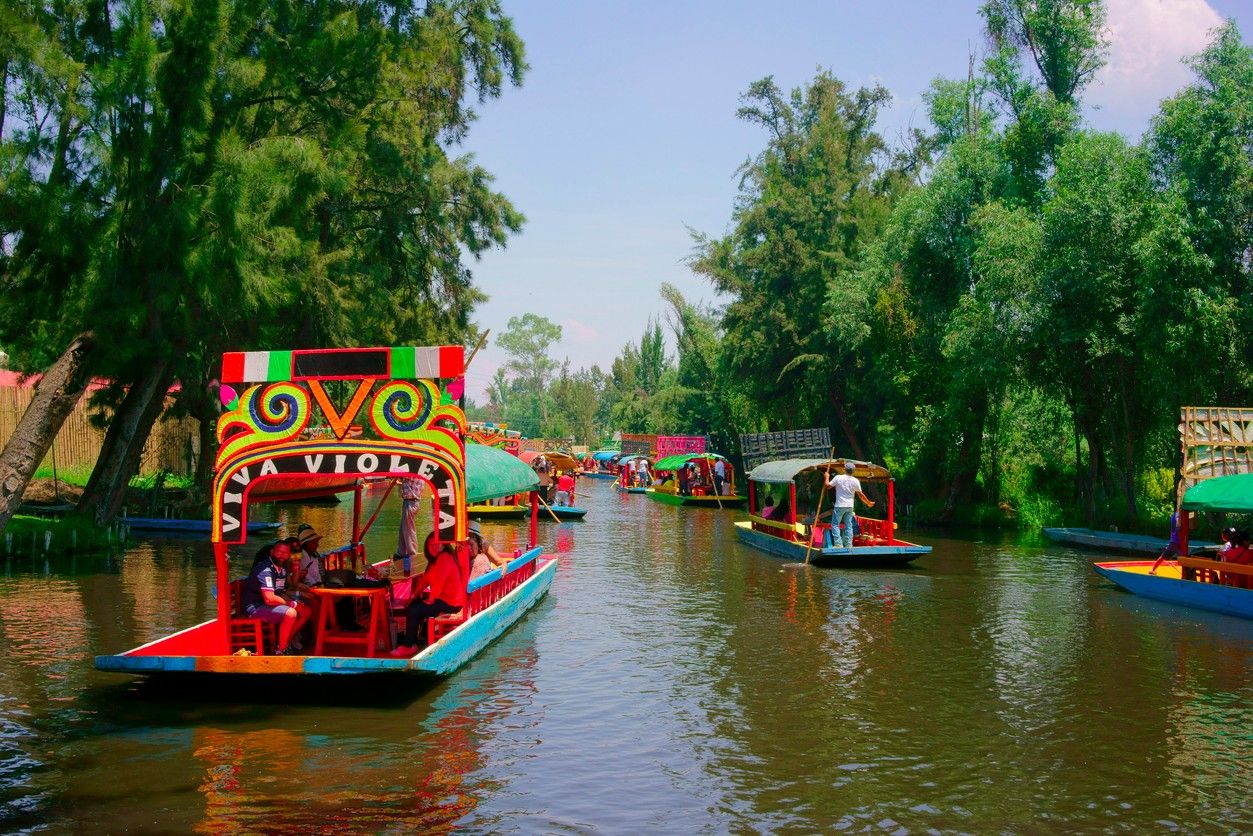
(397, 363)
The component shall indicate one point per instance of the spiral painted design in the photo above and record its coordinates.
(273, 414)
(402, 409)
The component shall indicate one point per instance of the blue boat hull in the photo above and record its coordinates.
(188, 526)
(1229, 600)
(567, 512)
(599, 476)
(440, 659)
(897, 555)
(632, 490)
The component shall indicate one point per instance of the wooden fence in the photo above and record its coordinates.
(173, 446)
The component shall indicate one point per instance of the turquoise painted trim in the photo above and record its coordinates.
(464, 643)
(191, 526)
(599, 476)
(632, 490)
(866, 555)
(569, 512)
(1229, 600)
(512, 566)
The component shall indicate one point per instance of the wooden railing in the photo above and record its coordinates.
(1215, 571)
(484, 591)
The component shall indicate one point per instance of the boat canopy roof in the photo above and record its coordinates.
(1222, 493)
(680, 459)
(630, 457)
(559, 460)
(491, 472)
(605, 455)
(786, 470)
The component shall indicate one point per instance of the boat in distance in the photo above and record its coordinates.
(773, 525)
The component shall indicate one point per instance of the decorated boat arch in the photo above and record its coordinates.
(314, 422)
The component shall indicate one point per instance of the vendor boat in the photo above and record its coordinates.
(773, 526)
(600, 463)
(415, 432)
(626, 473)
(1201, 582)
(703, 494)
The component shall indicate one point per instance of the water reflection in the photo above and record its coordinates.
(674, 680)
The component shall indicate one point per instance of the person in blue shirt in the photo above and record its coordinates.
(265, 596)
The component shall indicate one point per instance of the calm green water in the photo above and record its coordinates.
(673, 681)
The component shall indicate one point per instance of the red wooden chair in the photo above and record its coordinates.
(252, 634)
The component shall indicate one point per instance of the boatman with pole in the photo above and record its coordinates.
(847, 488)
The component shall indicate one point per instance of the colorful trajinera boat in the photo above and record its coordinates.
(702, 494)
(773, 526)
(558, 463)
(416, 431)
(600, 461)
(509, 441)
(1201, 582)
(626, 464)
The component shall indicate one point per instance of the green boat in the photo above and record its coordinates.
(702, 493)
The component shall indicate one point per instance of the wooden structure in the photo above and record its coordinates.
(758, 448)
(1214, 441)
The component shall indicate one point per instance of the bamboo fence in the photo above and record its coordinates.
(173, 445)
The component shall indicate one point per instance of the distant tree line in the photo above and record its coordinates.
(1008, 309)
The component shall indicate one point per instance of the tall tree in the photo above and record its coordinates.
(528, 340)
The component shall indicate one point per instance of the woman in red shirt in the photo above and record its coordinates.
(441, 591)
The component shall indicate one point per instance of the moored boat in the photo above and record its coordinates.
(1223, 586)
(200, 528)
(416, 433)
(1110, 541)
(773, 525)
(703, 492)
(628, 480)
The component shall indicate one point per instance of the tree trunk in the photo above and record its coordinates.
(965, 467)
(55, 396)
(846, 426)
(124, 444)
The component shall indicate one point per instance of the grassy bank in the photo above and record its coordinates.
(28, 535)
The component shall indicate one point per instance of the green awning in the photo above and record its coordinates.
(1222, 493)
(679, 459)
(785, 470)
(491, 472)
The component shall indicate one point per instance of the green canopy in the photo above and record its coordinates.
(679, 459)
(785, 470)
(1222, 493)
(491, 472)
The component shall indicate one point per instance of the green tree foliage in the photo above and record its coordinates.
(809, 204)
(527, 342)
(187, 176)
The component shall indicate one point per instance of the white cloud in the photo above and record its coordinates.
(1148, 41)
(574, 331)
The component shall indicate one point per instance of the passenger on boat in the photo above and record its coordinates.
(565, 489)
(685, 481)
(769, 511)
(308, 567)
(1239, 553)
(642, 476)
(485, 557)
(265, 596)
(440, 591)
(847, 488)
(411, 498)
(696, 482)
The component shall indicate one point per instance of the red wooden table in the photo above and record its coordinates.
(378, 629)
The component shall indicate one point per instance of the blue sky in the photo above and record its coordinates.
(624, 133)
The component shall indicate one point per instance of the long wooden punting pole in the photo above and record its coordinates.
(534, 518)
(224, 597)
(366, 528)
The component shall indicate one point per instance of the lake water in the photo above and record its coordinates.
(672, 681)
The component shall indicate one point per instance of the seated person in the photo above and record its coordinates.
(484, 557)
(770, 510)
(565, 489)
(1240, 553)
(265, 596)
(308, 566)
(441, 590)
(685, 481)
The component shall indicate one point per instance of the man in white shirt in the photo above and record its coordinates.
(847, 487)
(720, 477)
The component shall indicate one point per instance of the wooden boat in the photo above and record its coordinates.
(600, 461)
(625, 465)
(483, 511)
(1112, 541)
(875, 543)
(703, 495)
(1192, 581)
(599, 474)
(414, 433)
(568, 512)
(202, 528)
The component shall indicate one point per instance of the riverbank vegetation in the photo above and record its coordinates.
(1007, 309)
